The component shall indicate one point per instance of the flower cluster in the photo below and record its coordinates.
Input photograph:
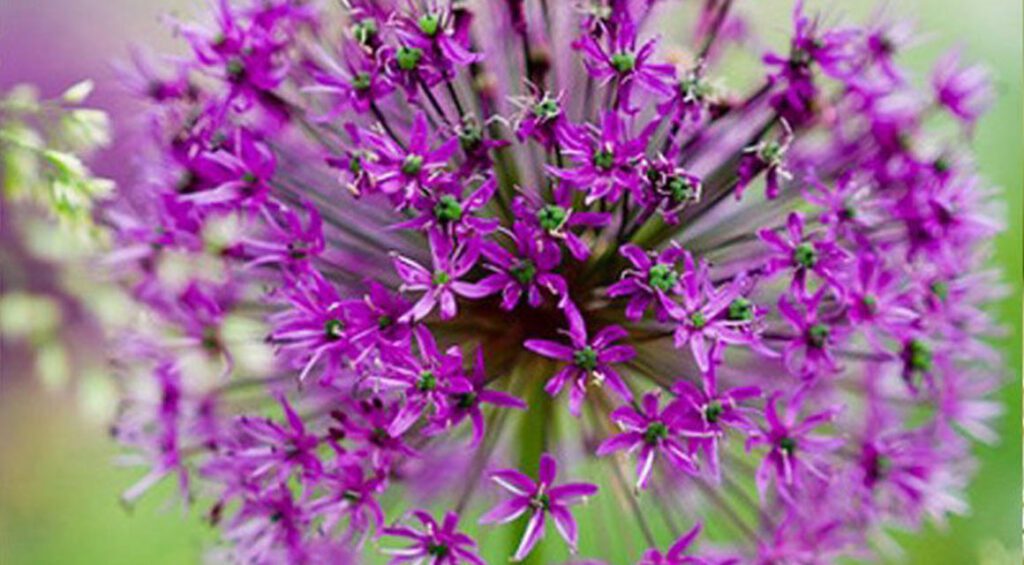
(483, 237)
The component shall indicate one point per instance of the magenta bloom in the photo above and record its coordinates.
(529, 272)
(539, 498)
(401, 169)
(616, 58)
(649, 432)
(442, 283)
(652, 281)
(706, 413)
(709, 316)
(589, 361)
(444, 214)
(810, 351)
(678, 553)
(606, 160)
(803, 255)
(439, 544)
(236, 175)
(794, 453)
(966, 92)
(462, 404)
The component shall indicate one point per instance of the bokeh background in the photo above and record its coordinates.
(58, 485)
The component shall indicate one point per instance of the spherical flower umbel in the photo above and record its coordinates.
(475, 240)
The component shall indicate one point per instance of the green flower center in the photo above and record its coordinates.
(355, 164)
(940, 289)
(412, 165)
(470, 137)
(333, 329)
(698, 320)
(604, 159)
(524, 271)
(585, 358)
(448, 209)
(546, 109)
(364, 31)
(655, 432)
(466, 400)
(552, 217)
(805, 256)
(695, 89)
(624, 62)
(408, 58)
(541, 502)
(441, 278)
(681, 189)
(787, 445)
(351, 496)
(438, 550)
(817, 335)
(430, 24)
(662, 277)
(361, 81)
(740, 310)
(870, 303)
(919, 356)
(771, 153)
(713, 411)
(427, 382)
(235, 69)
(384, 322)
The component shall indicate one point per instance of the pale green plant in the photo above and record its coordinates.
(43, 144)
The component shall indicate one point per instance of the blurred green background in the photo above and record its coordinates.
(58, 486)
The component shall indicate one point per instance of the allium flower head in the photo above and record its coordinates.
(494, 240)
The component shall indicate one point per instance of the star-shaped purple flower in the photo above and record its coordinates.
(588, 360)
(540, 498)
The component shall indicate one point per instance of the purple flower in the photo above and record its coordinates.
(709, 316)
(268, 447)
(315, 326)
(237, 175)
(540, 498)
(794, 453)
(439, 36)
(649, 431)
(467, 404)
(589, 361)
(809, 353)
(626, 65)
(440, 544)
(425, 383)
(356, 85)
(402, 170)
(678, 553)
(706, 414)
(653, 280)
(527, 272)
(606, 160)
(351, 493)
(966, 92)
(767, 156)
(554, 220)
(441, 284)
(506, 165)
(802, 254)
(288, 242)
(543, 120)
(444, 209)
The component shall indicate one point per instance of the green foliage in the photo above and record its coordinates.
(42, 147)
